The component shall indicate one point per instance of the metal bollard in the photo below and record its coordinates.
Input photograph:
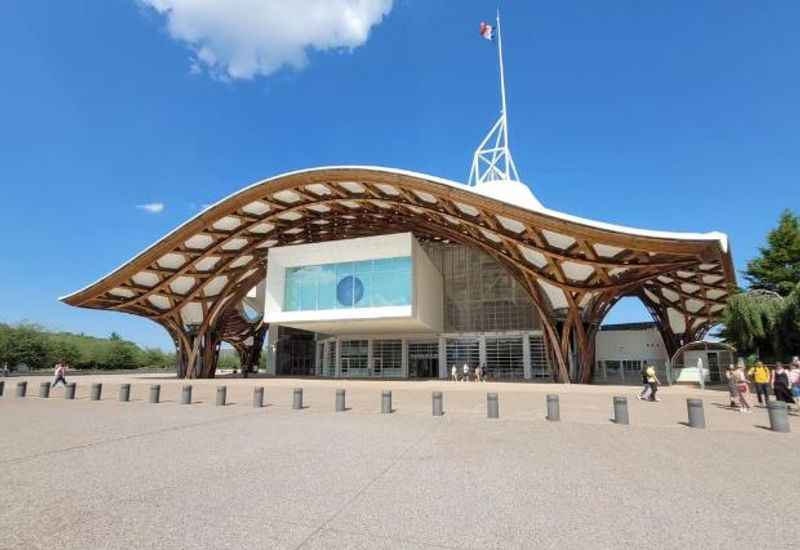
(125, 392)
(44, 390)
(69, 391)
(258, 397)
(297, 400)
(97, 391)
(186, 395)
(155, 393)
(22, 389)
(437, 404)
(778, 416)
(553, 408)
(222, 393)
(697, 416)
(2, 387)
(386, 402)
(492, 406)
(621, 410)
(340, 400)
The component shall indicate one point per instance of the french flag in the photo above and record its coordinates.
(487, 31)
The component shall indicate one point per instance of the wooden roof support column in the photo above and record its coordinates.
(250, 354)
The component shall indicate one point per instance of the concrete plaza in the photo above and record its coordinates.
(84, 474)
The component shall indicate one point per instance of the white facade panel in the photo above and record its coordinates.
(424, 313)
(620, 345)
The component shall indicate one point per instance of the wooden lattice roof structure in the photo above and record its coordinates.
(195, 279)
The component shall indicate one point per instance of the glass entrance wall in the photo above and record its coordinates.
(355, 354)
(540, 365)
(504, 360)
(462, 350)
(387, 358)
(507, 356)
(295, 352)
(329, 360)
(423, 359)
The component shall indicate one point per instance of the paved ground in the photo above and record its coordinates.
(82, 474)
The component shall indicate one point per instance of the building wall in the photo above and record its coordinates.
(481, 314)
(630, 344)
(620, 355)
(428, 290)
(423, 313)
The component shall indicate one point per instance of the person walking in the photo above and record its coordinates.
(743, 387)
(761, 376)
(59, 374)
(479, 374)
(737, 388)
(454, 373)
(794, 377)
(780, 385)
(645, 393)
(466, 372)
(733, 387)
(653, 382)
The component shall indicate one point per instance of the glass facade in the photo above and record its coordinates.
(423, 359)
(504, 360)
(460, 351)
(540, 366)
(387, 358)
(488, 318)
(355, 357)
(371, 283)
(480, 295)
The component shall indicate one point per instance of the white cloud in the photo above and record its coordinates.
(152, 207)
(247, 38)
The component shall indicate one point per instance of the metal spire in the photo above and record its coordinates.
(492, 160)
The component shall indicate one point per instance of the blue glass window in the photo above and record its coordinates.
(371, 283)
(327, 287)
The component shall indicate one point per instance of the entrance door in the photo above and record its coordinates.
(423, 359)
(423, 367)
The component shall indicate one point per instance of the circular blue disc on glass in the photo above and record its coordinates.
(349, 291)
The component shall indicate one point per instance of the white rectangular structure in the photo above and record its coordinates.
(383, 284)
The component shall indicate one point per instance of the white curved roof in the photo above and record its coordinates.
(508, 192)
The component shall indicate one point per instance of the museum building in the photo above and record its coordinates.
(374, 272)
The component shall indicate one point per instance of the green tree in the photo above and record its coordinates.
(63, 349)
(778, 266)
(27, 345)
(5, 340)
(155, 358)
(788, 325)
(749, 323)
(121, 355)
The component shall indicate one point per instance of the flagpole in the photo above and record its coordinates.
(502, 89)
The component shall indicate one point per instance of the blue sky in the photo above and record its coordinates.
(676, 116)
